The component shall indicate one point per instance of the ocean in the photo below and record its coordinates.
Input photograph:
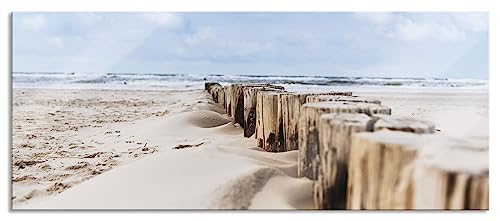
(159, 81)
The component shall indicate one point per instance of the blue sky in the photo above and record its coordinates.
(451, 45)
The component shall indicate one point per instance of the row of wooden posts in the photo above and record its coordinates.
(357, 154)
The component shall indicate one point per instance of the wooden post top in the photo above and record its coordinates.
(326, 98)
(329, 93)
(436, 150)
(348, 106)
(270, 91)
(347, 119)
(403, 124)
(405, 140)
(455, 155)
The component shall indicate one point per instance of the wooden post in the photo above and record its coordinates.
(451, 174)
(290, 104)
(325, 98)
(237, 103)
(227, 99)
(406, 124)
(215, 92)
(401, 170)
(212, 88)
(249, 112)
(290, 108)
(250, 104)
(268, 126)
(238, 100)
(335, 132)
(308, 131)
(380, 165)
(208, 85)
(220, 96)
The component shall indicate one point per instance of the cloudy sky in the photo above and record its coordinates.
(453, 45)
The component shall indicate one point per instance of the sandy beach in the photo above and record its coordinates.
(51, 149)
(119, 149)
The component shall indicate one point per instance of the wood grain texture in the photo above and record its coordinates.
(380, 167)
(250, 108)
(401, 170)
(290, 104)
(336, 131)
(228, 99)
(452, 174)
(269, 126)
(308, 130)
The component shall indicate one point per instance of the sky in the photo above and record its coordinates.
(376, 44)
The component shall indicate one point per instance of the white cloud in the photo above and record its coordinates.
(245, 47)
(475, 22)
(410, 30)
(33, 22)
(56, 41)
(162, 19)
(376, 17)
(199, 36)
(414, 27)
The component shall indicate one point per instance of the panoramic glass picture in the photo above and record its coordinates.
(250, 110)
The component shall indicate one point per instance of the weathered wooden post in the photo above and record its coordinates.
(220, 96)
(335, 132)
(325, 98)
(401, 170)
(250, 104)
(381, 164)
(308, 130)
(227, 99)
(268, 125)
(290, 104)
(237, 103)
(208, 85)
(238, 99)
(452, 174)
(215, 92)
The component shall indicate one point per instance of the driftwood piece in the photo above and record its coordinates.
(308, 130)
(182, 146)
(290, 104)
(325, 98)
(335, 132)
(452, 174)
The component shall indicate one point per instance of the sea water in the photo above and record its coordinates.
(167, 81)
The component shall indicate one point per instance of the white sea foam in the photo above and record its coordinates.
(162, 81)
